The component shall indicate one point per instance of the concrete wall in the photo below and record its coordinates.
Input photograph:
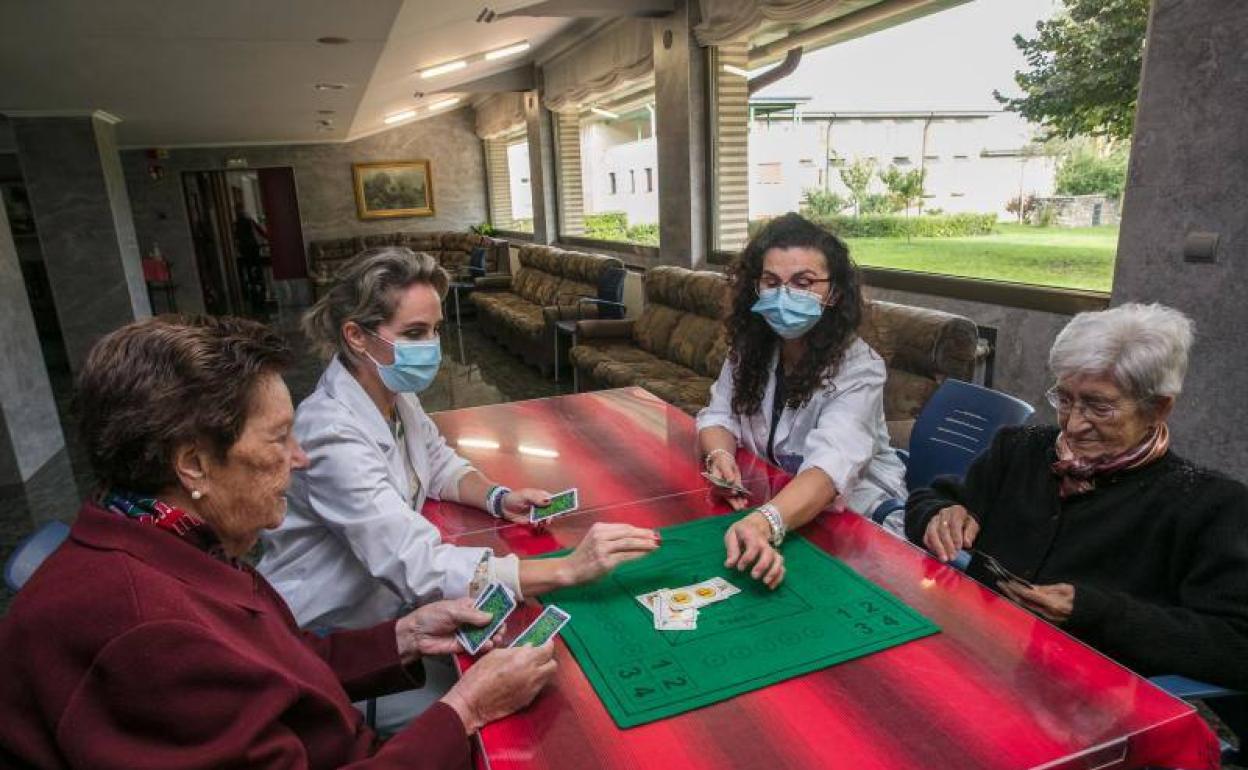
(1189, 173)
(324, 183)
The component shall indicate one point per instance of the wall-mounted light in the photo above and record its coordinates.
(399, 117)
(476, 443)
(537, 451)
(444, 104)
(511, 50)
(442, 69)
(603, 113)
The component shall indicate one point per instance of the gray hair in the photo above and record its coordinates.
(366, 291)
(1143, 347)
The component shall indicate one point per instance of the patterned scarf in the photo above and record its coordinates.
(183, 524)
(1078, 475)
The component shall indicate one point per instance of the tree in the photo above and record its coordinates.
(1083, 170)
(1083, 72)
(857, 178)
(904, 187)
(822, 203)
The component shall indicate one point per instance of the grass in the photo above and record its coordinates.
(1072, 258)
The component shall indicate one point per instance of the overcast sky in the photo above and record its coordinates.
(952, 59)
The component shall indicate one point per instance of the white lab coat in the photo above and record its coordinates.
(841, 430)
(354, 549)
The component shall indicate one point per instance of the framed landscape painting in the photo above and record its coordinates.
(393, 189)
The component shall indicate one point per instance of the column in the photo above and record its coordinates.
(78, 194)
(680, 113)
(541, 168)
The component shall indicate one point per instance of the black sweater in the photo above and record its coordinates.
(1158, 555)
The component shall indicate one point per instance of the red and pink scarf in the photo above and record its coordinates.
(181, 523)
(1077, 475)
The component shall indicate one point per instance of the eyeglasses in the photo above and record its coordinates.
(1095, 410)
(796, 283)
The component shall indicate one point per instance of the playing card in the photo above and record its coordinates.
(561, 503)
(701, 594)
(997, 569)
(499, 603)
(543, 628)
(668, 618)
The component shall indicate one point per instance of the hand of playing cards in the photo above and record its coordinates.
(676, 609)
(998, 570)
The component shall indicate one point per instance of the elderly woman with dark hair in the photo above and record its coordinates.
(1120, 541)
(145, 641)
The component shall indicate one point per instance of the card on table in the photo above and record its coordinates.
(499, 603)
(543, 628)
(725, 484)
(561, 503)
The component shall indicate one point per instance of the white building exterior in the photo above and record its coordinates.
(518, 176)
(619, 163)
(975, 161)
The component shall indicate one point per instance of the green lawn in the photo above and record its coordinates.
(1073, 258)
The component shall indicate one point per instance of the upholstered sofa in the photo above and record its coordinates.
(519, 310)
(676, 347)
(453, 251)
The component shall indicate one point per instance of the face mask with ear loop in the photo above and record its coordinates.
(791, 312)
(415, 364)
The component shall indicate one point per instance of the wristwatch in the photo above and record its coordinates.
(775, 521)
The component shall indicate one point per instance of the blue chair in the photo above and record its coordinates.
(32, 551)
(1231, 706)
(955, 426)
(610, 299)
(476, 263)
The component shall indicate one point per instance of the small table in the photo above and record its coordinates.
(454, 289)
(568, 329)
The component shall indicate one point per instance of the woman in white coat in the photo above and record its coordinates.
(799, 388)
(354, 548)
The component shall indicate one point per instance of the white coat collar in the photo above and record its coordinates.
(340, 385)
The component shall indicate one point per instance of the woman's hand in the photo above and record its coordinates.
(748, 542)
(724, 465)
(605, 547)
(501, 683)
(1053, 602)
(950, 530)
(430, 630)
(516, 504)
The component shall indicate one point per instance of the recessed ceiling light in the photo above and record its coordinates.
(330, 86)
(326, 112)
(399, 116)
(332, 40)
(510, 50)
(604, 113)
(734, 70)
(324, 122)
(444, 103)
(442, 69)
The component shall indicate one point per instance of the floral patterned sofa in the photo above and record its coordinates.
(518, 310)
(676, 347)
(453, 250)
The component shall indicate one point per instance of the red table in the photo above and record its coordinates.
(997, 688)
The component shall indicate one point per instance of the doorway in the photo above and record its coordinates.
(248, 239)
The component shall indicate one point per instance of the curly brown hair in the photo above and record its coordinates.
(752, 342)
(157, 384)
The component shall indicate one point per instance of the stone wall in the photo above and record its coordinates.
(324, 183)
(1189, 173)
(1077, 211)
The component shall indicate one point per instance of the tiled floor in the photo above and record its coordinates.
(475, 371)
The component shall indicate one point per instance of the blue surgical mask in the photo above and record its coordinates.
(790, 312)
(415, 364)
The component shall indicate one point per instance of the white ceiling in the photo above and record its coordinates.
(181, 72)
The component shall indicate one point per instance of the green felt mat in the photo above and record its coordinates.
(822, 614)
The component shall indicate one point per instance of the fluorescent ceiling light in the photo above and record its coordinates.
(442, 69)
(510, 50)
(537, 451)
(734, 70)
(399, 116)
(444, 103)
(477, 443)
(604, 113)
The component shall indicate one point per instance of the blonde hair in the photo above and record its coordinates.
(367, 291)
(1143, 347)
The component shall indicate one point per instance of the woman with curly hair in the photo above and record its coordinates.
(799, 388)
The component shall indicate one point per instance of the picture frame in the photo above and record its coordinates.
(389, 189)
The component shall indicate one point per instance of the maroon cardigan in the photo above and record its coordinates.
(130, 648)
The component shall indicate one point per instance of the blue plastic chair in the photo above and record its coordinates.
(32, 551)
(476, 263)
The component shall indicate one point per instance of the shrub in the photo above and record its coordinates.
(822, 203)
(1087, 172)
(607, 226)
(1021, 207)
(647, 235)
(887, 226)
(874, 204)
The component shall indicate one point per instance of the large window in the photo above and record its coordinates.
(895, 141)
(618, 156)
(519, 186)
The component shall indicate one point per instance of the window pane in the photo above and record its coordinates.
(618, 158)
(519, 187)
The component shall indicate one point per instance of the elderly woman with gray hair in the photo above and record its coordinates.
(1133, 549)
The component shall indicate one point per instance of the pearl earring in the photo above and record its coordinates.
(196, 494)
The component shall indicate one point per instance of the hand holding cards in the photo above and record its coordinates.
(496, 601)
(726, 485)
(543, 628)
(561, 503)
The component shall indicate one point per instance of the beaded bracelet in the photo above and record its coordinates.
(706, 461)
(775, 521)
(494, 500)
